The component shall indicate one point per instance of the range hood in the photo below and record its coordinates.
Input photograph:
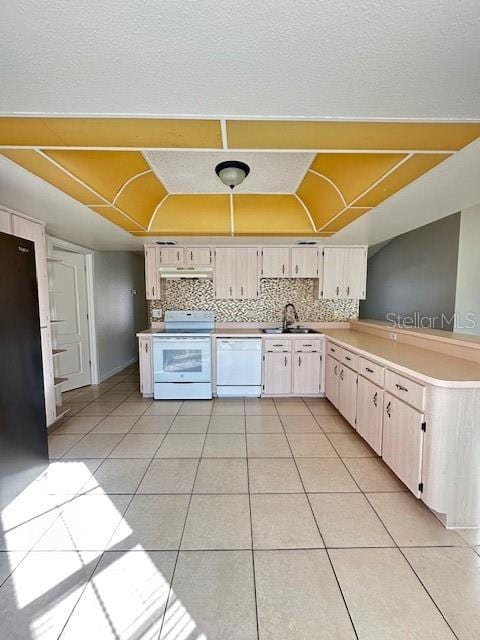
(182, 273)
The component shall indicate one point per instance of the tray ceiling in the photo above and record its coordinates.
(156, 176)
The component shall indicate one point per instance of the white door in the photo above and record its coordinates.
(277, 373)
(246, 273)
(304, 262)
(370, 413)
(224, 276)
(333, 265)
(347, 390)
(355, 273)
(275, 262)
(306, 373)
(69, 304)
(332, 380)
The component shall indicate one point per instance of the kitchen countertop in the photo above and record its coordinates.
(248, 332)
(426, 365)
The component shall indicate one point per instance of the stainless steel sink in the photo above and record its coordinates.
(277, 330)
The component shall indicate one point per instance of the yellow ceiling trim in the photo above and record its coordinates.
(167, 195)
(106, 172)
(273, 215)
(406, 172)
(39, 165)
(307, 212)
(112, 214)
(205, 214)
(355, 173)
(111, 132)
(346, 217)
(320, 197)
(288, 134)
(140, 197)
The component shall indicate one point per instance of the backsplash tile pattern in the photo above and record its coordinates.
(274, 294)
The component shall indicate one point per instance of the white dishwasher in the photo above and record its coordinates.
(239, 367)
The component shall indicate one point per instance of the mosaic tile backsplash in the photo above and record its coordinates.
(274, 295)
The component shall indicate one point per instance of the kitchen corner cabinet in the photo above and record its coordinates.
(277, 371)
(236, 273)
(153, 283)
(403, 441)
(370, 413)
(344, 273)
(145, 362)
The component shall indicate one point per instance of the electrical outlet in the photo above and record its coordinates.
(392, 336)
(157, 314)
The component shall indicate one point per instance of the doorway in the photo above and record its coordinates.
(70, 326)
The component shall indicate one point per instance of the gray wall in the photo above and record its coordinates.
(118, 313)
(416, 273)
(467, 303)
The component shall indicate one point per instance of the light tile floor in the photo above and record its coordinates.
(226, 519)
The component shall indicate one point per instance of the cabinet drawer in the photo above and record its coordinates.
(350, 359)
(307, 345)
(277, 345)
(371, 371)
(405, 389)
(335, 351)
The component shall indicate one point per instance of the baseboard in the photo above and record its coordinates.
(118, 369)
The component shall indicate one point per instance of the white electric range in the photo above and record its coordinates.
(182, 356)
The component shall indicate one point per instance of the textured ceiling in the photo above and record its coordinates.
(349, 59)
(156, 177)
(193, 172)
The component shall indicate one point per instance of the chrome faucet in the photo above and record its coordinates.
(286, 322)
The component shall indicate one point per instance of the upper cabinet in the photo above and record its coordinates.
(304, 262)
(152, 278)
(344, 273)
(289, 262)
(275, 262)
(198, 256)
(236, 273)
(170, 256)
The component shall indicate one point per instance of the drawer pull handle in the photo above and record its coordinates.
(336, 369)
(341, 374)
(375, 398)
(348, 358)
(307, 345)
(389, 409)
(278, 345)
(332, 350)
(400, 388)
(368, 369)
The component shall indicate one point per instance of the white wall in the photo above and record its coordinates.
(118, 313)
(467, 302)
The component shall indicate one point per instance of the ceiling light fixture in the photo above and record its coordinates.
(232, 173)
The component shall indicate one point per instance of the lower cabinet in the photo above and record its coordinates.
(370, 413)
(332, 368)
(277, 373)
(403, 441)
(347, 394)
(145, 365)
(306, 373)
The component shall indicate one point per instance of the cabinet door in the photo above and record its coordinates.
(333, 263)
(170, 256)
(35, 232)
(403, 441)
(246, 269)
(5, 222)
(145, 365)
(347, 394)
(370, 413)
(304, 262)
(355, 273)
(152, 280)
(276, 262)
(306, 373)
(277, 373)
(332, 369)
(225, 273)
(198, 256)
(49, 389)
